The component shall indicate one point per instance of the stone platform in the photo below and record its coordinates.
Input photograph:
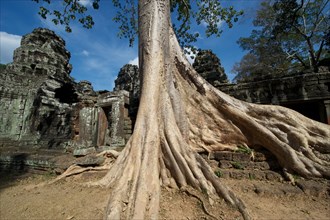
(253, 165)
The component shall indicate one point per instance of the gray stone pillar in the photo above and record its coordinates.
(87, 131)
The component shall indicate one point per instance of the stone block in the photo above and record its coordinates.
(239, 175)
(222, 155)
(90, 160)
(313, 188)
(83, 151)
(273, 176)
(259, 157)
(260, 165)
(225, 164)
(257, 175)
(241, 157)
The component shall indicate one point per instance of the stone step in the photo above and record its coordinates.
(249, 165)
(27, 159)
(257, 156)
(249, 174)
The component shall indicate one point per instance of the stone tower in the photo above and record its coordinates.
(37, 92)
(208, 65)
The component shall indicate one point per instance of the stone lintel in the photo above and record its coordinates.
(109, 98)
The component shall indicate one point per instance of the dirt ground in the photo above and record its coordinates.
(22, 198)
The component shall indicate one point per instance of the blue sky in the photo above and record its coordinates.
(97, 54)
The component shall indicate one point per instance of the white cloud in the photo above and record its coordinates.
(206, 6)
(102, 65)
(219, 23)
(85, 2)
(85, 53)
(8, 43)
(135, 61)
(190, 55)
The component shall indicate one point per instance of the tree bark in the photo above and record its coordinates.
(181, 114)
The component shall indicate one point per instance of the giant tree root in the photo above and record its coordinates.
(75, 169)
(181, 114)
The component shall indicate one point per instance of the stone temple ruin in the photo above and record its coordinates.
(42, 106)
(45, 112)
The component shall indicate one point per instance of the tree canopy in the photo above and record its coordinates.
(290, 35)
(184, 12)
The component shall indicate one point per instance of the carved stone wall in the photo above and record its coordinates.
(41, 105)
(208, 65)
(308, 94)
(37, 92)
(105, 125)
(129, 79)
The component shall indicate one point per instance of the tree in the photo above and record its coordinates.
(290, 36)
(181, 114)
(308, 22)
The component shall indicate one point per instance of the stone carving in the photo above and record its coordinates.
(308, 93)
(37, 92)
(42, 106)
(128, 79)
(208, 65)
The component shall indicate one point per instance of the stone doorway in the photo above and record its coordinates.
(104, 126)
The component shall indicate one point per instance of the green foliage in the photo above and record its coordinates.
(237, 165)
(244, 150)
(252, 176)
(209, 12)
(218, 173)
(126, 17)
(2, 66)
(290, 36)
(71, 9)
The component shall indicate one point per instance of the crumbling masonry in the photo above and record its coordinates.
(43, 109)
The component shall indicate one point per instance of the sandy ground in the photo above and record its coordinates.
(22, 198)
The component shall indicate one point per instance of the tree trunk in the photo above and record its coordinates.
(181, 114)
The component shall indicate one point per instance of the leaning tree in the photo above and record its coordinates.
(180, 114)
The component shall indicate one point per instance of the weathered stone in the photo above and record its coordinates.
(114, 105)
(273, 176)
(313, 188)
(222, 155)
(86, 88)
(239, 175)
(90, 160)
(257, 175)
(259, 157)
(306, 93)
(83, 151)
(224, 164)
(129, 79)
(242, 157)
(37, 92)
(208, 65)
(260, 165)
